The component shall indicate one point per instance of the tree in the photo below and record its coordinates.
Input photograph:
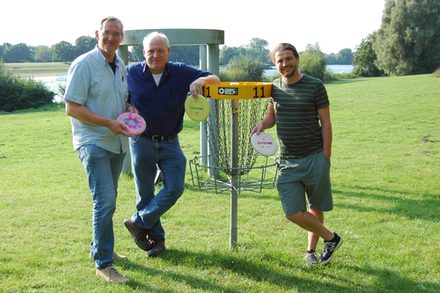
(408, 41)
(257, 49)
(243, 68)
(2, 50)
(345, 56)
(365, 59)
(42, 54)
(63, 51)
(136, 54)
(21, 93)
(312, 62)
(185, 54)
(84, 44)
(18, 53)
(229, 53)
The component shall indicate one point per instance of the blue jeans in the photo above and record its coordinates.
(146, 156)
(102, 169)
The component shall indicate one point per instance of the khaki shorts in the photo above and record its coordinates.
(308, 176)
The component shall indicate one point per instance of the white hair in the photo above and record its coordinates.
(155, 35)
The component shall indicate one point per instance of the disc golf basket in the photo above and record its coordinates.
(232, 164)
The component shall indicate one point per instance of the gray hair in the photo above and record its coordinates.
(155, 35)
(111, 18)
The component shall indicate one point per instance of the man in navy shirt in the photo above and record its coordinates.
(158, 90)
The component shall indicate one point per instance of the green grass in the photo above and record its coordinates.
(27, 69)
(386, 182)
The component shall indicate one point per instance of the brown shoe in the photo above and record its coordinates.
(110, 274)
(139, 235)
(157, 247)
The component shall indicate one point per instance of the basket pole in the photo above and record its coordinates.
(234, 173)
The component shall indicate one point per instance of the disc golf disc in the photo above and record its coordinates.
(264, 144)
(134, 122)
(197, 108)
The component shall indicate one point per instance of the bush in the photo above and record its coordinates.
(313, 63)
(21, 93)
(243, 68)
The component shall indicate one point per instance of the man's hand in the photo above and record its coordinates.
(196, 88)
(258, 128)
(118, 127)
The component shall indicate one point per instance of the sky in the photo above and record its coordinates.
(332, 24)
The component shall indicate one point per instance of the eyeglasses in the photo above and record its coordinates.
(111, 34)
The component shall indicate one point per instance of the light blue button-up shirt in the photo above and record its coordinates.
(92, 83)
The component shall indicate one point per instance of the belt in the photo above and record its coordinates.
(159, 138)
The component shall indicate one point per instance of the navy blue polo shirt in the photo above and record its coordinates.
(161, 106)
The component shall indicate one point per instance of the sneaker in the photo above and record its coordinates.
(110, 274)
(311, 258)
(139, 235)
(330, 248)
(116, 256)
(157, 247)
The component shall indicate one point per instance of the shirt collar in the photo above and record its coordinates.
(102, 57)
(146, 69)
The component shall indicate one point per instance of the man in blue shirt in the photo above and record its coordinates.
(96, 93)
(158, 90)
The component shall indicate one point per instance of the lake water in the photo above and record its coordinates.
(335, 68)
(53, 83)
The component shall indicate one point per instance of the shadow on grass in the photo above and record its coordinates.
(404, 203)
(257, 271)
(383, 280)
(352, 276)
(243, 194)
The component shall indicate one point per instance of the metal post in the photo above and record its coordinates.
(213, 66)
(234, 173)
(203, 130)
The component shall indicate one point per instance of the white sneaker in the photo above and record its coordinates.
(116, 256)
(110, 274)
(311, 258)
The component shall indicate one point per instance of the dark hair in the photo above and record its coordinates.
(283, 47)
(111, 18)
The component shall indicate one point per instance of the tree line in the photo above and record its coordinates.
(67, 52)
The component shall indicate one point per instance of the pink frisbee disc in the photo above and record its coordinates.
(135, 123)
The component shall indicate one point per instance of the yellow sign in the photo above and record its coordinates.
(238, 90)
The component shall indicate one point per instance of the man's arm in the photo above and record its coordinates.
(326, 130)
(83, 114)
(196, 87)
(267, 122)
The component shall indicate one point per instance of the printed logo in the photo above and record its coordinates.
(228, 91)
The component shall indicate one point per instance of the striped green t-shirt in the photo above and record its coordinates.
(296, 108)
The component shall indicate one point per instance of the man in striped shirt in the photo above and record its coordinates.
(300, 108)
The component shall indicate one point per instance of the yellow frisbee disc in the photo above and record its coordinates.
(198, 109)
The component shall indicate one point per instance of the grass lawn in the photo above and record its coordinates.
(386, 183)
(35, 69)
